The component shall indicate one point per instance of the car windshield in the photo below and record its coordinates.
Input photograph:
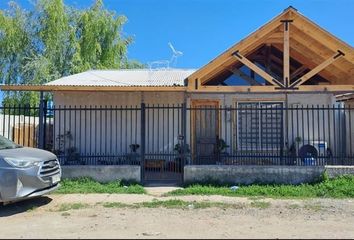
(7, 144)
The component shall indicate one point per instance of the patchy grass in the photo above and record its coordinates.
(115, 205)
(71, 206)
(65, 214)
(341, 187)
(260, 204)
(180, 204)
(88, 185)
(314, 207)
(174, 204)
(31, 209)
(294, 206)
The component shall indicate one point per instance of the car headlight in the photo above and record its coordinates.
(21, 163)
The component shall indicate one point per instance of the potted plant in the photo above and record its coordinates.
(134, 156)
(221, 147)
(71, 154)
(176, 164)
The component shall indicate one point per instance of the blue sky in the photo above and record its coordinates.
(202, 29)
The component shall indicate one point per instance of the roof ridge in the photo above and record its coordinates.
(142, 69)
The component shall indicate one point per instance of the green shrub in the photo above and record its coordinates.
(88, 185)
(340, 187)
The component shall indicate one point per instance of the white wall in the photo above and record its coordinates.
(114, 130)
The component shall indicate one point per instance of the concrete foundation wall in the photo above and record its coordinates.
(103, 173)
(335, 171)
(252, 174)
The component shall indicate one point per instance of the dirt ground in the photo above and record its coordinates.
(42, 218)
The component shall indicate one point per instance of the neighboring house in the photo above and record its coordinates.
(249, 105)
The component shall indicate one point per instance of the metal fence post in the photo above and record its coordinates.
(142, 140)
(42, 122)
(184, 133)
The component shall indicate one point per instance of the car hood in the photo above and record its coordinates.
(26, 153)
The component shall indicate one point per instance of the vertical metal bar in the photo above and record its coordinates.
(121, 129)
(158, 128)
(105, 132)
(148, 133)
(184, 133)
(308, 123)
(323, 129)
(80, 128)
(329, 130)
(350, 109)
(126, 128)
(19, 123)
(142, 137)
(90, 129)
(59, 130)
(318, 128)
(334, 134)
(75, 125)
(3, 119)
(313, 123)
(64, 133)
(153, 128)
(95, 130)
(168, 128)
(41, 121)
(339, 141)
(101, 129)
(173, 126)
(54, 126)
(110, 133)
(303, 125)
(29, 128)
(136, 124)
(116, 135)
(131, 125)
(13, 121)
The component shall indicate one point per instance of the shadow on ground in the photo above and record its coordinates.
(23, 206)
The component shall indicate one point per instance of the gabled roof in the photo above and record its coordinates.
(309, 44)
(126, 78)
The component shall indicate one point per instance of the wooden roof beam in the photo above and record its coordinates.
(317, 69)
(304, 59)
(257, 69)
(297, 72)
(316, 48)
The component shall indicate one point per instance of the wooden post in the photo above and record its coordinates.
(286, 53)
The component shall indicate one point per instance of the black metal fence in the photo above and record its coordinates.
(169, 136)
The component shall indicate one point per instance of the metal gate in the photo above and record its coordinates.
(163, 141)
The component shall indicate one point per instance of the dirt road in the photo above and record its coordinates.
(56, 216)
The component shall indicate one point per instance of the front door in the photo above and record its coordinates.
(205, 131)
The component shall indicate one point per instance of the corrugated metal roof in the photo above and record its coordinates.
(126, 77)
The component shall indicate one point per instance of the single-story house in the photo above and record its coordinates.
(270, 99)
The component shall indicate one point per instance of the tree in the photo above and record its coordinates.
(55, 40)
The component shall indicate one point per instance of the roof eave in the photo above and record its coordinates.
(53, 88)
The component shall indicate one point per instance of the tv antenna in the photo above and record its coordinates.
(166, 64)
(175, 55)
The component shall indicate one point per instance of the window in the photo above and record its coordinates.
(259, 125)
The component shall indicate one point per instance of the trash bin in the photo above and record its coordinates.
(309, 161)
